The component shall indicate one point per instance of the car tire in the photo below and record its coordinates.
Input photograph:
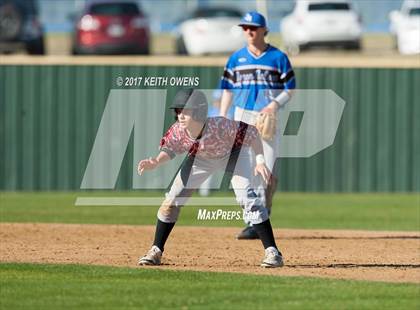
(303, 47)
(354, 46)
(75, 51)
(145, 50)
(36, 47)
(180, 47)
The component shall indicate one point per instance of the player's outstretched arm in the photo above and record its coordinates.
(152, 163)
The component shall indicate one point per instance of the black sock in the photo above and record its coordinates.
(162, 233)
(265, 232)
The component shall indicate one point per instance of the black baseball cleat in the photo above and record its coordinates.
(248, 233)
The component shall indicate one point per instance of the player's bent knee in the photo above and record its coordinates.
(168, 211)
(255, 211)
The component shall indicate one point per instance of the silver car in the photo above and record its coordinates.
(405, 26)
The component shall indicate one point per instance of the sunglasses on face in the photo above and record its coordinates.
(251, 28)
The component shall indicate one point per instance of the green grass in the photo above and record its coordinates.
(32, 286)
(291, 210)
(29, 286)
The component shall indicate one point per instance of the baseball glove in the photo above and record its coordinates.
(266, 125)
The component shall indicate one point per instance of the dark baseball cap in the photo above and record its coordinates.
(253, 19)
(189, 99)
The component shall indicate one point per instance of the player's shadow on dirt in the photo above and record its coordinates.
(347, 238)
(349, 265)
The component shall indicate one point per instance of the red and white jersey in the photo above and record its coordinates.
(219, 137)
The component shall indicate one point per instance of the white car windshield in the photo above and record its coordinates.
(329, 6)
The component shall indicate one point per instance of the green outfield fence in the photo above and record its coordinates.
(50, 115)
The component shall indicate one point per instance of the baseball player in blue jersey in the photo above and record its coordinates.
(258, 79)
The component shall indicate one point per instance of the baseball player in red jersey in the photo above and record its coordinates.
(211, 144)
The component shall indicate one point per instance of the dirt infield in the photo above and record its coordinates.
(361, 255)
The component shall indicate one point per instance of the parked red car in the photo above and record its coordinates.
(111, 27)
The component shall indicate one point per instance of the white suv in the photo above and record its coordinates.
(405, 26)
(321, 23)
